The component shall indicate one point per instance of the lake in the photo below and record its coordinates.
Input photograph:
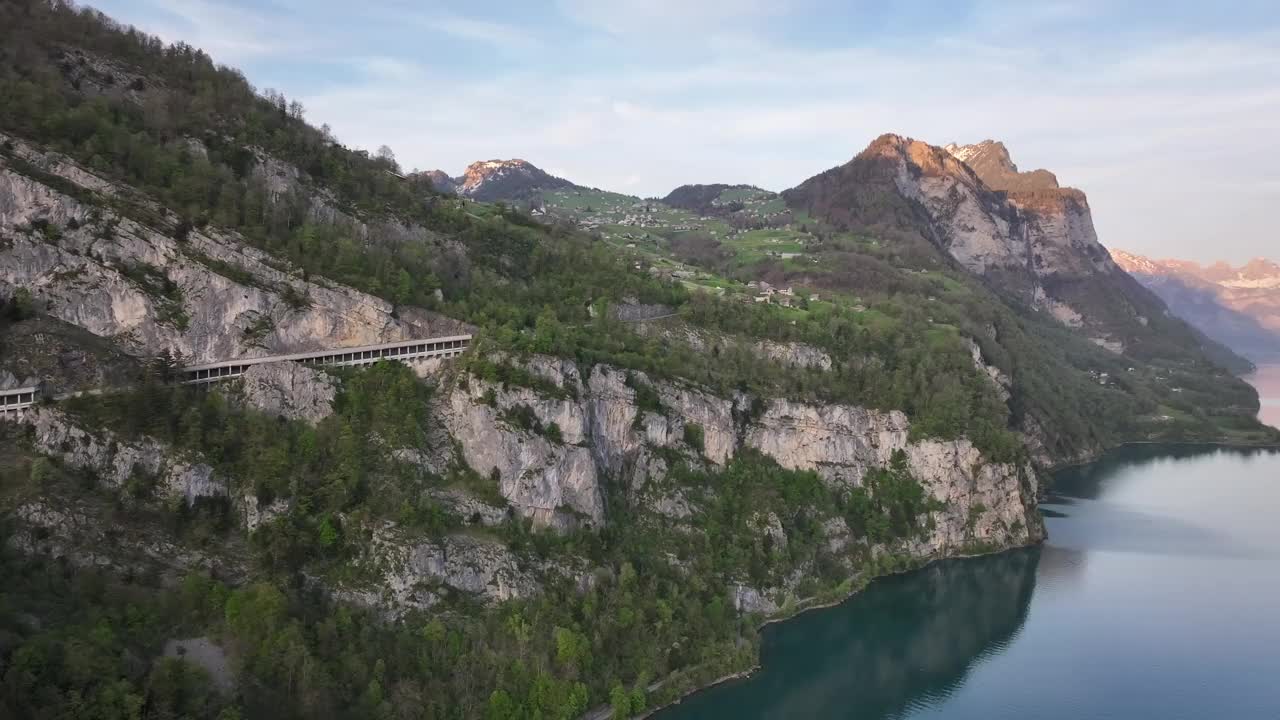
(1267, 381)
(1156, 596)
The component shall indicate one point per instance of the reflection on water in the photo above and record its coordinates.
(929, 628)
(1267, 382)
(1154, 597)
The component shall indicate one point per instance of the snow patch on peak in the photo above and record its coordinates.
(1131, 263)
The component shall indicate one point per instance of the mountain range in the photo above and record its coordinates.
(500, 445)
(1031, 238)
(493, 180)
(1237, 306)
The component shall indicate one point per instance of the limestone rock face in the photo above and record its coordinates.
(414, 572)
(991, 161)
(841, 443)
(207, 295)
(290, 390)
(554, 483)
(1028, 237)
(795, 354)
(255, 514)
(747, 599)
(605, 434)
(117, 461)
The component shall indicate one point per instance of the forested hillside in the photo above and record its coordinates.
(633, 465)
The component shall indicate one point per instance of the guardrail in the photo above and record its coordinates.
(14, 402)
(404, 351)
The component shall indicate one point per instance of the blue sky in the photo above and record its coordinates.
(1164, 113)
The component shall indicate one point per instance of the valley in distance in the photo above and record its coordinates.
(289, 431)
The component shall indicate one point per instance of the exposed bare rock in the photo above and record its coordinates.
(554, 483)
(116, 461)
(842, 443)
(636, 312)
(492, 180)
(413, 573)
(990, 160)
(472, 510)
(120, 279)
(1024, 234)
(605, 434)
(1237, 306)
(770, 526)
(747, 599)
(290, 390)
(73, 529)
(794, 354)
(999, 380)
(255, 514)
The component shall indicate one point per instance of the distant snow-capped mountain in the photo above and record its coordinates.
(1238, 306)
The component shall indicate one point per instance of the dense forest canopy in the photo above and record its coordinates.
(653, 613)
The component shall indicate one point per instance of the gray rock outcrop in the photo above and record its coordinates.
(605, 434)
(116, 461)
(209, 295)
(289, 389)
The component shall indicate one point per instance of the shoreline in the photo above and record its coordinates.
(827, 605)
(604, 712)
(1221, 444)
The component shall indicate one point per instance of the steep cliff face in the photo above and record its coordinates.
(290, 390)
(990, 160)
(206, 295)
(606, 443)
(1032, 240)
(118, 463)
(604, 433)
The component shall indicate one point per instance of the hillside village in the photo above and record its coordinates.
(749, 224)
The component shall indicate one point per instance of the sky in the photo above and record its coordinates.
(1166, 114)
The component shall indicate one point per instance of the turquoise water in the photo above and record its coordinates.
(1156, 596)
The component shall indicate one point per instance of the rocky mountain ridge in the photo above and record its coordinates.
(1034, 242)
(991, 161)
(494, 180)
(1238, 306)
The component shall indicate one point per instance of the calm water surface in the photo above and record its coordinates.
(1157, 596)
(1267, 381)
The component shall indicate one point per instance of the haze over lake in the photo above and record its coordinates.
(1267, 381)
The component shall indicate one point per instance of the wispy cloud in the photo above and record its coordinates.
(644, 95)
(230, 33)
(634, 18)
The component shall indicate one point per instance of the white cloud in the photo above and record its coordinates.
(649, 94)
(482, 30)
(636, 18)
(228, 33)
